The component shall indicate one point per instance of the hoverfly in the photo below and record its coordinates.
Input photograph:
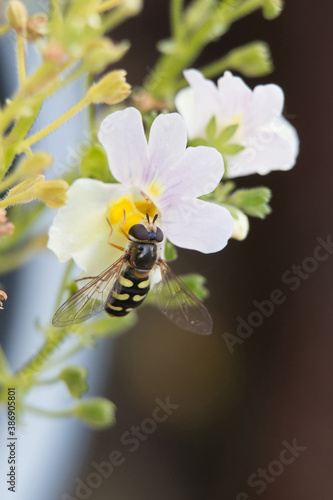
(124, 285)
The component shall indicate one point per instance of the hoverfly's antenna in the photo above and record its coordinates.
(151, 222)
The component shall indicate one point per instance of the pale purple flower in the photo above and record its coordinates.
(270, 142)
(161, 177)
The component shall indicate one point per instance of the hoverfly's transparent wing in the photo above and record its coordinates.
(179, 304)
(90, 299)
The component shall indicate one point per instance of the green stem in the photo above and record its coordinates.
(4, 29)
(22, 70)
(64, 282)
(49, 381)
(29, 372)
(54, 125)
(48, 413)
(215, 68)
(67, 354)
(165, 77)
(9, 180)
(176, 10)
(116, 17)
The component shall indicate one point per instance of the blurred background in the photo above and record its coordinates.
(236, 410)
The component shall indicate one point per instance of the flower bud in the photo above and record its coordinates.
(55, 53)
(110, 89)
(253, 59)
(17, 15)
(272, 8)
(52, 193)
(75, 377)
(96, 412)
(6, 227)
(134, 7)
(34, 165)
(241, 224)
(36, 27)
(100, 53)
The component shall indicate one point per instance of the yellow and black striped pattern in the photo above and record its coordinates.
(128, 293)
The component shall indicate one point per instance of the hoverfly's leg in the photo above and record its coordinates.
(109, 242)
(121, 226)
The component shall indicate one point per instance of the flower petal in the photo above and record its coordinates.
(198, 172)
(267, 105)
(234, 98)
(198, 225)
(80, 230)
(167, 144)
(123, 138)
(266, 152)
(198, 103)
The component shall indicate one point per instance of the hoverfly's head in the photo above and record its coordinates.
(146, 232)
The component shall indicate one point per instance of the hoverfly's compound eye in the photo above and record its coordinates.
(159, 235)
(139, 232)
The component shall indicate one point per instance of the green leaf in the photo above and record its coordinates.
(197, 142)
(75, 377)
(21, 128)
(220, 193)
(227, 133)
(170, 251)
(211, 128)
(196, 283)
(253, 201)
(96, 412)
(148, 119)
(232, 149)
(94, 165)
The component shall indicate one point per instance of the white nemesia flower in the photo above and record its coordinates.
(270, 142)
(159, 177)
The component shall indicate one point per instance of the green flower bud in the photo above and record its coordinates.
(34, 165)
(254, 202)
(75, 377)
(52, 193)
(96, 412)
(17, 15)
(253, 59)
(110, 89)
(133, 7)
(272, 8)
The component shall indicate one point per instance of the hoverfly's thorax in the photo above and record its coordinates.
(143, 256)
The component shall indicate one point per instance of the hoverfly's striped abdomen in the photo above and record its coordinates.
(129, 292)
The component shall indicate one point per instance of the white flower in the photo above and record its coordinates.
(159, 177)
(270, 142)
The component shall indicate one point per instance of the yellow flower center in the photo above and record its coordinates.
(133, 210)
